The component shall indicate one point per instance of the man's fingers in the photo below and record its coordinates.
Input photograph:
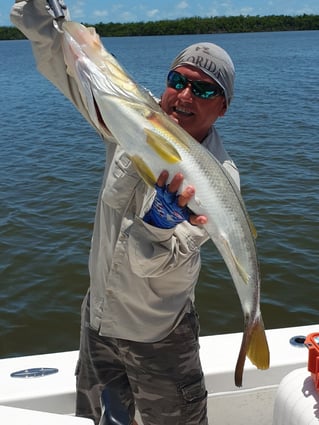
(177, 180)
(197, 220)
(186, 196)
(161, 181)
(174, 185)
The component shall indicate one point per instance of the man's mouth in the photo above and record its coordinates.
(182, 111)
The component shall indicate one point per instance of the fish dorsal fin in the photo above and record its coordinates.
(143, 170)
(162, 147)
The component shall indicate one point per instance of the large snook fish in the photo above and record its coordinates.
(154, 142)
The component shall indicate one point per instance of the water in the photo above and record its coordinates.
(51, 165)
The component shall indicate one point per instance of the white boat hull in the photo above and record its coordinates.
(52, 397)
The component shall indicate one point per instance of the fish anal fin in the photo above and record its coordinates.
(143, 170)
(162, 147)
(258, 351)
(242, 272)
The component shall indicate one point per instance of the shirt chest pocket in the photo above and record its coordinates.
(120, 183)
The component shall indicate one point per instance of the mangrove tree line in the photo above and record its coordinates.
(195, 25)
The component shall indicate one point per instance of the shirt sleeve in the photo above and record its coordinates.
(33, 19)
(155, 252)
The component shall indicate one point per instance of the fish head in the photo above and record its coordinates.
(89, 45)
(100, 78)
(87, 74)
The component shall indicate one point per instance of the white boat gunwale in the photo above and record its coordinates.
(55, 394)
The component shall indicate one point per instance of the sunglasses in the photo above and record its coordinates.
(201, 89)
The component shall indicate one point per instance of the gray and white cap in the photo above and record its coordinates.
(214, 61)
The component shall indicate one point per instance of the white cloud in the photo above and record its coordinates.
(77, 10)
(182, 5)
(152, 13)
(100, 13)
(245, 11)
(127, 17)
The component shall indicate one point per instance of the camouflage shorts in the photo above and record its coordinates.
(164, 379)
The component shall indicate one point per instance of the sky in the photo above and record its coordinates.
(94, 11)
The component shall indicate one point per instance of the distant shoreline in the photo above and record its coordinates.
(194, 25)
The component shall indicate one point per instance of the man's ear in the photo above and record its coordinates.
(223, 108)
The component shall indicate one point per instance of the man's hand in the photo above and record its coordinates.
(169, 208)
(57, 8)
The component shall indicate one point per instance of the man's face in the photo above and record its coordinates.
(194, 114)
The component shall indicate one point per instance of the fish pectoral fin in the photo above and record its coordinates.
(258, 351)
(165, 125)
(162, 147)
(143, 170)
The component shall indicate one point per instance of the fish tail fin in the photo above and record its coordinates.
(258, 351)
(254, 345)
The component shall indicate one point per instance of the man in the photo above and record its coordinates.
(139, 330)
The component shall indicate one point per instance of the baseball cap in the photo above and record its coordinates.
(214, 61)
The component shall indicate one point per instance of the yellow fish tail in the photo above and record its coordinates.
(255, 346)
(258, 351)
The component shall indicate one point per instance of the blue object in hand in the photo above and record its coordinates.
(165, 212)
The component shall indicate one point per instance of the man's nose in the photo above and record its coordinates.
(186, 93)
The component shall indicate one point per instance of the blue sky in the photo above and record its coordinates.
(93, 11)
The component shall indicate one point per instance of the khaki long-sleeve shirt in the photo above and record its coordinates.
(142, 278)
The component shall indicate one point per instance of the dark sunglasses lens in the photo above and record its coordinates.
(200, 89)
(204, 90)
(176, 81)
